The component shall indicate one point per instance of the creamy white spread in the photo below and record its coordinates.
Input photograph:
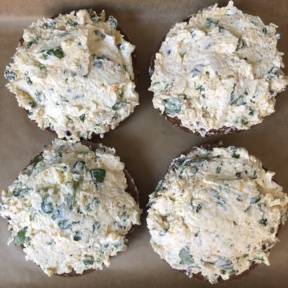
(219, 69)
(74, 74)
(215, 213)
(69, 209)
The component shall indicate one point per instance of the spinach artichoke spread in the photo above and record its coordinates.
(219, 71)
(215, 213)
(74, 74)
(69, 208)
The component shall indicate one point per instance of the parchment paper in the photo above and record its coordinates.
(146, 142)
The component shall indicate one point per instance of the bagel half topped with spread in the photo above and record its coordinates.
(74, 74)
(70, 210)
(216, 213)
(218, 72)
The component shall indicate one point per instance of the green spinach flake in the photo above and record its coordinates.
(218, 199)
(49, 24)
(77, 237)
(197, 207)
(88, 262)
(196, 72)
(21, 238)
(82, 117)
(32, 104)
(244, 121)
(39, 96)
(225, 264)
(19, 193)
(46, 207)
(185, 256)
(37, 160)
(78, 167)
(258, 259)
(75, 187)
(234, 154)
(200, 88)
(238, 101)
(71, 23)
(9, 74)
(29, 44)
(160, 186)
(254, 176)
(93, 16)
(64, 224)
(98, 176)
(172, 105)
(251, 111)
(57, 52)
(240, 198)
(99, 33)
(96, 226)
(263, 222)
(119, 105)
(113, 23)
(28, 79)
(210, 23)
(255, 200)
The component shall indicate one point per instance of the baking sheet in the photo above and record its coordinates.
(145, 142)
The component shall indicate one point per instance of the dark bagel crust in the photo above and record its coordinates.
(135, 66)
(131, 189)
(199, 276)
(176, 121)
